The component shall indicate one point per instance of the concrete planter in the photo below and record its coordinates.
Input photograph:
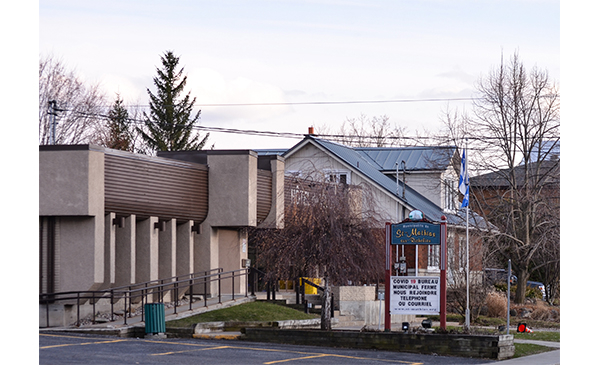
(208, 327)
(497, 347)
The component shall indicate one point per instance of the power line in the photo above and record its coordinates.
(342, 102)
(299, 135)
(316, 102)
(339, 102)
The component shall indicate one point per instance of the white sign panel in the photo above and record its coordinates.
(415, 295)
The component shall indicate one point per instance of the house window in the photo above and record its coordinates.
(299, 195)
(338, 177)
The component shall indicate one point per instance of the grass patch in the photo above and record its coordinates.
(538, 336)
(526, 349)
(247, 312)
(495, 322)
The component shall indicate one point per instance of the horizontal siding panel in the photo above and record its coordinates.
(152, 188)
(264, 194)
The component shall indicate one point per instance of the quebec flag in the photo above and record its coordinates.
(463, 181)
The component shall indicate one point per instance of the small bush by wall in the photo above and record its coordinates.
(496, 304)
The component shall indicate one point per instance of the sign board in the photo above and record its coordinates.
(416, 233)
(415, 295)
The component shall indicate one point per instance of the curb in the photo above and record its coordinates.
(218, 336)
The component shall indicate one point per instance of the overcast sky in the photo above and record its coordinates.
(301, 51)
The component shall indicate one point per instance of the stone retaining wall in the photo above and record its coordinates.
(497, 347)
(358, 305)
(208, 327)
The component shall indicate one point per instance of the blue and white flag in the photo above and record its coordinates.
(463, 181)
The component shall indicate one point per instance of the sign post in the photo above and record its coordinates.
(416, 295)
(388, 277)
(443, 265)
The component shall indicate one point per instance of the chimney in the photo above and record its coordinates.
(311, 130)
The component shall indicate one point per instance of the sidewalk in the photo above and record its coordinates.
(546, 358)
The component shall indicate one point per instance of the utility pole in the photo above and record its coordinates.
(508, 298)
(52, 112)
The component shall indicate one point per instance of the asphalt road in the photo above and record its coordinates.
(61, 348)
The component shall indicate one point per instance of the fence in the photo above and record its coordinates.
(130, 295)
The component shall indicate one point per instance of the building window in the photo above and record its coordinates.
(449, 195)
(433, 258)
(338, 177)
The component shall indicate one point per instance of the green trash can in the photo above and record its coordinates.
(154, 316)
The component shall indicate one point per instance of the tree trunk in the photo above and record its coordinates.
(522, 276)
(326, 307)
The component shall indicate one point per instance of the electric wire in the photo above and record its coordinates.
(286, 103)
(339, 137)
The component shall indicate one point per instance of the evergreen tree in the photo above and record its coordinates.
(119, 136)
(169, 127)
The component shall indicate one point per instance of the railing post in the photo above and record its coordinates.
(77, 309)
(175, 288)
(219, 288)
(247, 281)
(112, 305)
(191, 291)
(206, 289)
(125, 311)
(93, 307)
(47, 312)
(232, 285)
(129, 311)
(332, 305)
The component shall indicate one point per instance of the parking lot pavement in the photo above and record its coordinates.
(61, 348)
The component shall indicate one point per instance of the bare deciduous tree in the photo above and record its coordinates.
(457, 273)
(365, 132)
(514, 133)
(330, 232)
(78, 105)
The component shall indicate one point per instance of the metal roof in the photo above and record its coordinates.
(271, 152)
(415, 158)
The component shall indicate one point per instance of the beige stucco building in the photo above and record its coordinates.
(110, 218)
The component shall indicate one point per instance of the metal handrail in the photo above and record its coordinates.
(156, 288)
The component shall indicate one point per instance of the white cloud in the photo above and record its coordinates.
(211, 87)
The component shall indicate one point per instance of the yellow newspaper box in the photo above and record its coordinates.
(309, 289)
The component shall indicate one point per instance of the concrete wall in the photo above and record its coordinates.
(71, 184)
(359, 304)
(497, 347)
(232, 206)
(125, 239)
(232, 189)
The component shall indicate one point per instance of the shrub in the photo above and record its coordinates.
(496, 304)
(543, 312)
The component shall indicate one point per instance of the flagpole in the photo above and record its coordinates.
(463, 187)
(467, 310)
